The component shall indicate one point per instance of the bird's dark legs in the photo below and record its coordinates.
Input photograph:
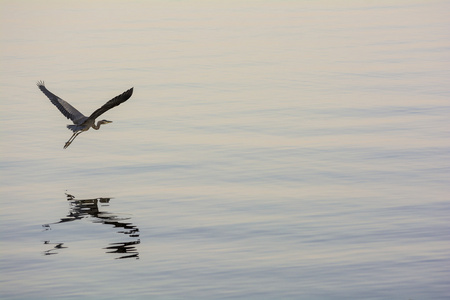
(71, 139)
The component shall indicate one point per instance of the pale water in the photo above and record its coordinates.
(271, 150)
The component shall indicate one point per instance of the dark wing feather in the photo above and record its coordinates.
(65, 108)
(112, 103)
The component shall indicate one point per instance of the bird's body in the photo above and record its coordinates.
(82, 123)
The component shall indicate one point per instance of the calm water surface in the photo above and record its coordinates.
(271, 150)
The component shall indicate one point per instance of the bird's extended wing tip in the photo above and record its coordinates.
(128, 92)
(40, 83)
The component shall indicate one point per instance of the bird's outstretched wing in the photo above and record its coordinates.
(112, 103)
(65, 108)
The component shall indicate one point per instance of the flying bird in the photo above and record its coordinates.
(82, 123)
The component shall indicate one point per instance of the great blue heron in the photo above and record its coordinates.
(82, 123)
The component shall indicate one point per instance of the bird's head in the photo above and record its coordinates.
(104, 122)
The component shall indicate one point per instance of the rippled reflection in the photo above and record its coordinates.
(89, 208)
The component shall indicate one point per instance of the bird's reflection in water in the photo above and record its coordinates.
(55, 247)
(89, 208)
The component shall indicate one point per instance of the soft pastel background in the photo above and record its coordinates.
(271, 150)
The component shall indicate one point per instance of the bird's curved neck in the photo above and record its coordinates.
(97, 127)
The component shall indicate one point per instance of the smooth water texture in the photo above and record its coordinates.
(271, 150)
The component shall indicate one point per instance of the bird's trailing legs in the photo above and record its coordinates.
(71, 139)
